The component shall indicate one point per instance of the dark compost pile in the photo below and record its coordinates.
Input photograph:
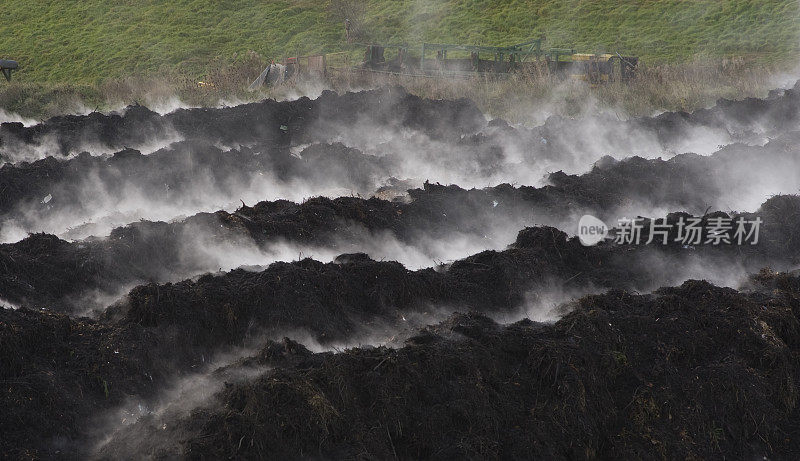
(148, 307)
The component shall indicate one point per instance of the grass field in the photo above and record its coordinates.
(94, 40)
(91, 54)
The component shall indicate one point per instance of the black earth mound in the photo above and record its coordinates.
(197, 172)
(693, 371)
(44, 271)
(170, 330)
(291, 122)
(136, 344)
(622, 375)
(277, 123)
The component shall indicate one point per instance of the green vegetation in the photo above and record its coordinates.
(97, 54)
(92, 41)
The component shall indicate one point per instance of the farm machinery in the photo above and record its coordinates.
(467, 60)
(454, 61)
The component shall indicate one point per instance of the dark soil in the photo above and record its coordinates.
(305, 120)
(159, 331)
(197, 167)
(276, 123)
(187, 365)
(688, 372)
(46, 272)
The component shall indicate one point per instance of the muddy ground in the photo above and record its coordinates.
(160, 300)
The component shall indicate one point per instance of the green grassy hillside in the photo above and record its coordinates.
(92, 40)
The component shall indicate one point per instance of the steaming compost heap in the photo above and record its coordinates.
(374, 275)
